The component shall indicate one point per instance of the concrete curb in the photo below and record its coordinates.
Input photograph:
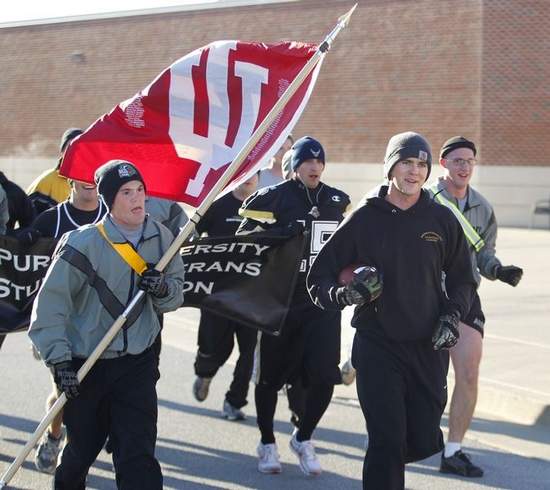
(510, 403)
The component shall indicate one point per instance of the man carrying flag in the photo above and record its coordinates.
(172, 129)
(89, 282)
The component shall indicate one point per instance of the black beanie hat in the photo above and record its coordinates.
(304, 149)
(454, 143)
(407, 145)
(69, 135)
(111, 176)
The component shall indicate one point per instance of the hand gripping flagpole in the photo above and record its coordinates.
(184, 233)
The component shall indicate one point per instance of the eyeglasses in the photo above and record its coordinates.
(461, 162)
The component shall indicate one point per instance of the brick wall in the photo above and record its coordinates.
(440, 67)
(388, 72)
(515, 117)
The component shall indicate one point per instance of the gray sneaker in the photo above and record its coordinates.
(348, 372)
(200, 388)
(230, 412)
(47, 452)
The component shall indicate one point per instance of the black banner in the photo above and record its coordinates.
(21, 271)
(249, 279)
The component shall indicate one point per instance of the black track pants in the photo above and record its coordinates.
(216, 342)
(118, 399)
(402, 389)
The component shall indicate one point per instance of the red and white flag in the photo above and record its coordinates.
(185, 128)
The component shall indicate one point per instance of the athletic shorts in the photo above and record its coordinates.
(475, 317)
(308, 348)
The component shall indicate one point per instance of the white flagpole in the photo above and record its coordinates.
(184, 233)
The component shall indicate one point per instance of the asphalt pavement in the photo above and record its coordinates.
(510, 435)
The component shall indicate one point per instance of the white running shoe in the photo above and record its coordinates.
(348, 373)
(306, 455)
(268, 461)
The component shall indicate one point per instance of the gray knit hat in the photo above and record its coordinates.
(407, 145)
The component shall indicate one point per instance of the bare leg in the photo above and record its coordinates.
(466, 357)
(57, 422)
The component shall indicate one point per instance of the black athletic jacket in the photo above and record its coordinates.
(273, 209)
(411, 248)
(20, 206)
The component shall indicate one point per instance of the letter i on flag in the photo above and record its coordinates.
(185, 128)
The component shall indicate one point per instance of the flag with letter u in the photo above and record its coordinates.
(185, 128)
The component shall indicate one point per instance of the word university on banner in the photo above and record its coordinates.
(247, 279)
(193, 119)
(22, 269)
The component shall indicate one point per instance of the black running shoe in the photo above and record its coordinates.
(460, 464)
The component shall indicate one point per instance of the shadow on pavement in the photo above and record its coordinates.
(501, 470)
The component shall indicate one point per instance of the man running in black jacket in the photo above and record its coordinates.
(216, 333)
(309, 345)
(81, 208)
(402, 325)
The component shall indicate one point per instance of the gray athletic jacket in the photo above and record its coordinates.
(480, 214)
(87, 287)
(167, 212)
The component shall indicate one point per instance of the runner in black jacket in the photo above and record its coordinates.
(401, 371)
(309, 345)
(216, 333)
(81, 208)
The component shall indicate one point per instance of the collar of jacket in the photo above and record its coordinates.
(380, 202)
(298, 184)
(473, 196)
(149, 230)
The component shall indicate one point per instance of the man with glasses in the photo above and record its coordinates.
(477, 218)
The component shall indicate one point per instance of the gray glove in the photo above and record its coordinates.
(446, 333)
(365, 286)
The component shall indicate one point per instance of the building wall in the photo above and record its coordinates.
(439, 67)
(515, 115)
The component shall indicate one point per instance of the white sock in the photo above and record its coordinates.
(451, 448)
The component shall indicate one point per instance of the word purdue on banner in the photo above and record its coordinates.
(22, 269)
(244, 278)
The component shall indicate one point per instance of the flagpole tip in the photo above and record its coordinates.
(344, 19)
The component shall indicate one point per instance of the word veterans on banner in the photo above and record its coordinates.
(247, 279)
(21, 271)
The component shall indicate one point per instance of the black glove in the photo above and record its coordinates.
(446, 334)
(28, 236)
(65, 379)
(510, 274)
(154, 283)
(294, 228)
(365, 286)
